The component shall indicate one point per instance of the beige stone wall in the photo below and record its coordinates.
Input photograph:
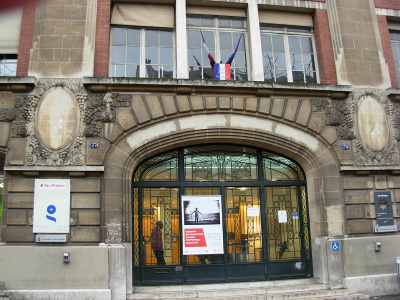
(63, 41)
(357, 46)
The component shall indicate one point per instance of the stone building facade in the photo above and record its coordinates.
(71, 113)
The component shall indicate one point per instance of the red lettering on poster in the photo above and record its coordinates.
(195, 238)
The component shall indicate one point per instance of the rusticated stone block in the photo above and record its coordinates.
(20, 201)
(95, 156)
(224, 102)
(211, 103)
(370, 212)
(304, 112)
(380, 182)
(330, 134)
(111, 131)
(291, 109)
(317, 122)
(251, 104)
(396, 196)
(393, 182)
(197, 103)
(85, 185)
(358, 183)
(89, 218)
(17, 151)
(169, 104)
(21, 185)
(153, 103)
(17, 217)
(356, 197)
(345, 156)
(125, 118)
(265, 105)
(183, 103)
(4, 134)
(73, 218)
(19, 235)
(355, 212)
(238, 103)
(140, 109)
(277, 107)
(6, 99)
(85, 235)
(85, 200)
(359, 227)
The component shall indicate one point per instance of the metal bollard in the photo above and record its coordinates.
(398, 270)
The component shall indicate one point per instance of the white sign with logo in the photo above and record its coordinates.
(51, 206)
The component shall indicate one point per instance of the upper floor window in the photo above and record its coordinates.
(8, 64)
(221, 35)
(395, 41)
(288, 53)
(142, 41)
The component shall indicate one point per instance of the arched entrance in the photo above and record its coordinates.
(264, 215)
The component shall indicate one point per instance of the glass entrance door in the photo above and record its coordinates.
(264, 216)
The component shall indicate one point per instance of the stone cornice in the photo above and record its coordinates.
(17, 84)
(193, 87)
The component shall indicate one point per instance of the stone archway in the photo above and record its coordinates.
(311, 151)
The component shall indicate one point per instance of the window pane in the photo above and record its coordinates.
(132, 71)
(281, 76)
(133, 55)
(195, 73)
(209, 38)
(296, 62)
(277, 42)
(193, 20)
(119, 36)
(152, 71)
(166, 38)
(152, 38)
(236, 37)
(133, 37)
(208, 73)
(311, 77)
(306, 45)
(194, 57)
(298, 76)
(10, 69)
(308, 61)
(240, 59)
(166, 72)
(225, 22)
(225, 40)
(268, 60)
(194, 39)
(166, 56)
(207, 21)
(237, 22)
(268, 75)
(266, 42)
(294, 44)
(240, 74)
(118, 70)
(118, 54)
(279, 61)
(151, 55)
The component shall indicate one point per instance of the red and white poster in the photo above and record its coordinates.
(202, 225)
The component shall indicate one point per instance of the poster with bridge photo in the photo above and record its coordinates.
(202, 226)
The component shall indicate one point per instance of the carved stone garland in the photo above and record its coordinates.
(36, 154)
(363, 156)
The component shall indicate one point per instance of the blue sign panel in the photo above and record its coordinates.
(94, 145)
(335, 246)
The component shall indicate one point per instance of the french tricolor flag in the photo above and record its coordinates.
(222, 71)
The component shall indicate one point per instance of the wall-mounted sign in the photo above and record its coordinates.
(282, 216)
(50, 238)
(253, 212)
(51, 206)
(202, 225)
(94, 145)
(384, 212)
(335, 246)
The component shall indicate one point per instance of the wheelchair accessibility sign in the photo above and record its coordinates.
(335, 246)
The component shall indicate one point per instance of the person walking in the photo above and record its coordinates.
(157, 243)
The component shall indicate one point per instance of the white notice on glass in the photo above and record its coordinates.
(282, 216)
(253, 212)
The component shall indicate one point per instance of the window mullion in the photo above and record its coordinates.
(142, 70)
(287, 57)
